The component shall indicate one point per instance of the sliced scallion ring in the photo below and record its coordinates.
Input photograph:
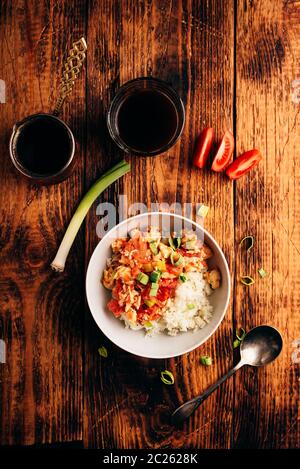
(167, 377)
(103, 351)
(155, 276)
(183, 278)
(247, 280)
(203, 210)
(154, 289)
(206, 360)
(143, 278)
(153, 247)
(262, 272)
(249, 240)
(176, 259)
(242, 336)
(175, 243)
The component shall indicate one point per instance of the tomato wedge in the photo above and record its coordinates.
(243, 164)
(224, 153)
(203, 146)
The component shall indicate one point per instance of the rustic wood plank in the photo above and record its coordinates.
(40, 312)
(267, 204)
(189, 44)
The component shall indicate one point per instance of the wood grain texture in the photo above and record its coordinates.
(233, 63)
(126, 403)
(40, 313)
(267, 202)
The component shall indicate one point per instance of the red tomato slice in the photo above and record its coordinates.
(203, 146)
(243, 164)
(224, 153)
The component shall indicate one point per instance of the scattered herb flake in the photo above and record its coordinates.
(206, 360)
(236, 343)
(103, 351)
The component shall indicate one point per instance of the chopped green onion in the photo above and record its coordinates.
(155, 276)
(148, 324)
(203, 211)
(262, 272)
(249, 242)
(154, 289)
(167, 377)
(247, 280)
(240, 338)
(175, 243)
(190, 306)
(143, 278)
(149, 303)
(178, 241)
(97, 188)
(103, 351)
(179, 260)
(153, 247)
(171, 243)
(190, 245)
(206, 360)
(183, 278)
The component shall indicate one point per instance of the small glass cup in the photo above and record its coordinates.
(58, 132)
(129, 90)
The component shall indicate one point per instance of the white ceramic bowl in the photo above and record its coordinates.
(162, 345)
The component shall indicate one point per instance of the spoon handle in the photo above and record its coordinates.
(186, 409)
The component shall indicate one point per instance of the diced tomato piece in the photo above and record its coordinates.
(115, 308)
(174, 270)
(117, 289)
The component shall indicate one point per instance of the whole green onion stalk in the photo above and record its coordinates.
(97, 188)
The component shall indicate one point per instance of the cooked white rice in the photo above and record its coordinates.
(179, 315)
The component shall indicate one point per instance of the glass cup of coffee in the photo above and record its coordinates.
(42, 148)
(146, 117)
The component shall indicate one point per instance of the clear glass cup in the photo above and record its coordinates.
(160, 90)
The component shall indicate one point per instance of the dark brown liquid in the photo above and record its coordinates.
(43, 146)
(147, 121)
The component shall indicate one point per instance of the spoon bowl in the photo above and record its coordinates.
(261, 346)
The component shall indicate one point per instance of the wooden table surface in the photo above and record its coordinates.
(234, 65)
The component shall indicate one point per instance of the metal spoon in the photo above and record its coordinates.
(260, 346)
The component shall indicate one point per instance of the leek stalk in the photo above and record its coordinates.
(97, 188)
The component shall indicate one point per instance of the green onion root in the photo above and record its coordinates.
(112, 175)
